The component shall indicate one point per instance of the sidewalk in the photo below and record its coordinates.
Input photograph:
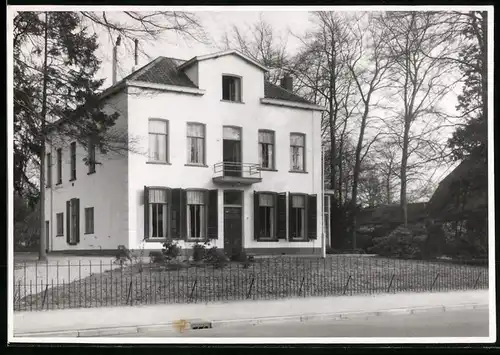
(73, 321)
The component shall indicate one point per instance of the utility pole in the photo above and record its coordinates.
(42, 256)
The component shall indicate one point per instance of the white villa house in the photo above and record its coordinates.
(228, 157)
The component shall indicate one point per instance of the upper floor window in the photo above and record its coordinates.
(266, 149)
(297, 156)
(158, 140)
(73, 161)
(231, 88)
(59, 166)
(196, 143)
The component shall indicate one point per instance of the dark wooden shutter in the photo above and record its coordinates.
(175, 210)
(76, 206)
(146, 212)
(256, 221)
(311, 216)
(68, 222)
(281, 215)
(212, 214)
(291, 218)
(182, 214)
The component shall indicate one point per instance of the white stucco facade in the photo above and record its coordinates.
(116, 189)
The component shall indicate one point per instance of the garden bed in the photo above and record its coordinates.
(269, 278)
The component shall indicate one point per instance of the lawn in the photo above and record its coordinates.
(269, 278)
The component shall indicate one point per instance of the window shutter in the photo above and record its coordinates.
(182, 214)
(76, 206)
(212, 214)
(68, 221)
(311, 217)
(291, 217)
(175, 211)
(281, 215)
(256, 222)
(146, 212)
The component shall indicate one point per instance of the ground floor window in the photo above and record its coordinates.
(298, 217)
(89, 220)
(158, 221)
(267, 216)
(59, 224)
(73, 221)
(196, 214)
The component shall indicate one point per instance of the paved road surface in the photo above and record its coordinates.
(456, 323)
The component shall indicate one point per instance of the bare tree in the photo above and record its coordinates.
(419, 45)
(261, 42)
(321, 70)
(368, 66)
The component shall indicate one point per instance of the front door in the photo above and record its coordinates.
(233, 233)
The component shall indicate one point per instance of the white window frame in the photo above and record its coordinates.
(271, 146)
(302, 212)
(203, 222)
(299, 148)
(154, 157)
(59, 223)
(192, 144)
(89, 220)
(272, 212)
(235, 95)
(154, 207)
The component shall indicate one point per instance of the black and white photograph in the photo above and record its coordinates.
(250, 174)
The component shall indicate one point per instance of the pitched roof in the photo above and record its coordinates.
(391, 213)
(220, 54)
(276, 92)
(166, 70)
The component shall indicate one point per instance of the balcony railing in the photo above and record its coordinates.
(235, 172)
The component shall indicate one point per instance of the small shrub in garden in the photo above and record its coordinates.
(400, 243)
(198, 252)
(156, 257)
(216, 257)
(171, 250)
(122, 255)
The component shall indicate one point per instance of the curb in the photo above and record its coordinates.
(203, 324)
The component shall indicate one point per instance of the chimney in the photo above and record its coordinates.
(115, 58)
(287, 82)
(136, 61)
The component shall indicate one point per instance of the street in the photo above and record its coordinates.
(463, 323)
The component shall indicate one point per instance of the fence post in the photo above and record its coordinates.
(45, 295)
(390, 283)
(435, 279)
(301, 284)
(250, 288)
(192, 289)
(347, 284)
(129, 292)
(477, 280)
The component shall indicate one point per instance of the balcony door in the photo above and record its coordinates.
(231, 151)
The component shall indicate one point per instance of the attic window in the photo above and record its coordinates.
(231, 88)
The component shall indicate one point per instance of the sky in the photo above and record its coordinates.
(216, 23)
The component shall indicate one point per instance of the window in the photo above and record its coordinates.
(73, 221)
(233, 198)
(89, 220)
(59, 166)
(91, 156)
(158, 140)
(267, 216)
(73, 161)
(59, 224)
(158, 221)
(196, 214)
(231, 88)
(196, 143)
(48, 178)
(266, 149)
(298, 217)
(297, 142)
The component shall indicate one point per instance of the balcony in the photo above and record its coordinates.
(236, 173)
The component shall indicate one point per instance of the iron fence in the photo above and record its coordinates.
(48, 286)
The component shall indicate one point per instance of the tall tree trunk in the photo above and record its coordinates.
(404, 163)
(42, 255)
